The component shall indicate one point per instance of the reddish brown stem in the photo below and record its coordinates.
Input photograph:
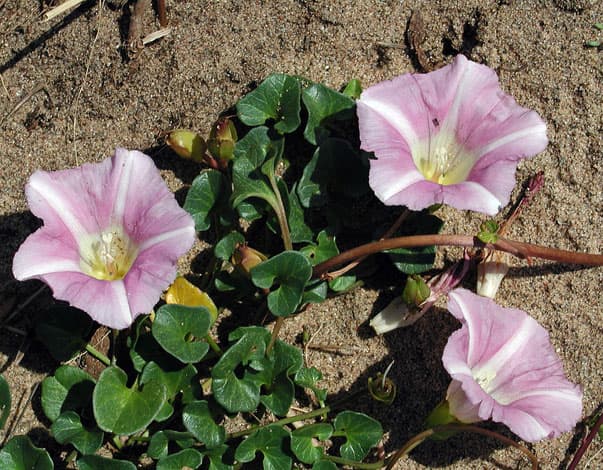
(518, 249)
(587, 440)
(162, 13)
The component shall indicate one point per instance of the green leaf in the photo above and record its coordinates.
(276, 98)
(240, 394)
(324, 465)
(225, 247)
(5, 401)
(417, 260)
(291, 271)
(285, 361)
(20, 454)
(69, 389)
(122, 410)
(361, 432)
(176, 380)
(308, 377)
(198, 420)
(488, 231)
(300, 232)
(324, 248)
(322, 176)
(181, 330)
(302, 445)
(324, 106)
(68, 428)
(62, 330)
(353, 89)
(271, 442)
(216, 458)
(186, 458)
(315, 293)
(208, 190)
(250, 154)
(96, 462)
(158, 446)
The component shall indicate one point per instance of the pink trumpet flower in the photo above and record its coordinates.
(504, 368)
(111, 237)
(451, 136)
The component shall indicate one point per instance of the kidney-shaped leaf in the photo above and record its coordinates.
(68, 428)
(20, 454)
(181, 330)
(361, 432)
(96, 462)
(270, 441)
(324, 106)
(276, 98)
(69, 389)
(302, 441)
(186, 458)
(291, 271)
(206, 192)
(122, 410)
(197, 419)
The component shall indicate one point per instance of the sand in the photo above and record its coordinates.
(93, 100)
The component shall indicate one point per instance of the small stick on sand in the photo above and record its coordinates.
(63, 7)
(25, 99)
(162, 13)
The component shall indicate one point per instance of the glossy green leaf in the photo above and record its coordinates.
(277, 99)
(291, 271)
(206, 193)
(302, 441)
(417, 260)
(5, 401)
(62, 330)
(158, 446)
(198, 420)
(285, 360)
(176, 380)
(20, 454)
(324, 248)
(220, 458)
(70, 389)
(324, 465)
(323, 179)
(123, 410)
(316, 292)
(250, 154)
(186, 458)
(226, 246)
(96, 462)
(308, 377)
(361, 432)
(300, 232)
(324, 106)
(181, 331)
(68, 428)
(353, 89)
(240, 394)
(271, 441)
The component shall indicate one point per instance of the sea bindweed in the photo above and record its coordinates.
(450, 136)
(504, 368)
(111, 237)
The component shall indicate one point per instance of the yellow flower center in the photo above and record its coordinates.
(107, 256)
(442, 160)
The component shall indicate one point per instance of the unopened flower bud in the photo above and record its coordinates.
(490, 273)
(222, 140)
(416, 291)
(187, 144)
(245, 259)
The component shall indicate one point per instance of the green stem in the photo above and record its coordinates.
(281, 214)
(421, 437)
(282, 422)
(213, 345)
(353, 463)
(518, 249)
(275, 331)
(98, 355)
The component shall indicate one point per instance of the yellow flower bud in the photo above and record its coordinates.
(187, 144)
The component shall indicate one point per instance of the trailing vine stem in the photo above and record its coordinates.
(519, 249)
(585, 443)
(421, 437)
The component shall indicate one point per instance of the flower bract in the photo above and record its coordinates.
(111, 237)
(504, 368)
(450, 136)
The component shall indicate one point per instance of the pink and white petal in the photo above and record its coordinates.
(46, 251)
(498, 179)
(106, 302)
(388, 176)
(468, 408)
(143, 202)
(473, 196)
(80, 198)
(153, 271)
(417, 195)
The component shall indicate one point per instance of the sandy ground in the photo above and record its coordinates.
(93, 100)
